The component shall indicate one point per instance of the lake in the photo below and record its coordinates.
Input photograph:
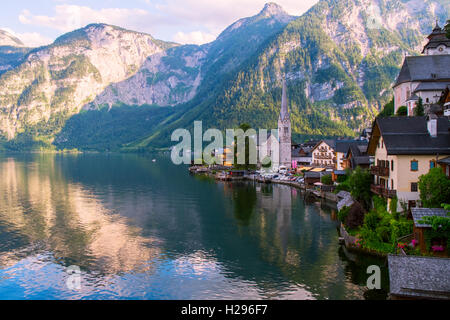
(138, 229)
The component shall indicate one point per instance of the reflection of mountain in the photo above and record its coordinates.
(119, 215)
(48, 214)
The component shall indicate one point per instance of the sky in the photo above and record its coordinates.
(40, 22)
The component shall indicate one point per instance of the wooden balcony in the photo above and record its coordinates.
(382, 191)
(379, 171)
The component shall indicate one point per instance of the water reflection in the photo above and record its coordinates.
(46, 213)
(148, 230)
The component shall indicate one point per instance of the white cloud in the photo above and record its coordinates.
(195, 37)
(184, 21)
(70, 17)
(212, 17)
(30, 39)
(219, 14)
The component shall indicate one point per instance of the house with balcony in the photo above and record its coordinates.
(404, 148)
(301, 156)
(357, 156)
(341, 149)
(323, 154)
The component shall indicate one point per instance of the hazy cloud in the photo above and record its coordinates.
(70, 17)
(30, 39)
(195, 37)
(184, 21)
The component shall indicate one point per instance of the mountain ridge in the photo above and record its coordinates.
(339, 59)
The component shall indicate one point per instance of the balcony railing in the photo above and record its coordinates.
(382, 191)
(379, 171)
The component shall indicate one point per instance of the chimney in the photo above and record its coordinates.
(432, 125)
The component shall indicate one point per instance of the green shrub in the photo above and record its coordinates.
(393, 205)
(343, 213)
(327, 179)
(402, 111)
(434, 188)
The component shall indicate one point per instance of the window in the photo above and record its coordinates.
(392, 165)
(414, 165)
(414, 187)
(392, 184)
(432, 164)
(286, 130)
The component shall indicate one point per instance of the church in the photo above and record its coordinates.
(425, 76)
(278, 146)
(284, 131)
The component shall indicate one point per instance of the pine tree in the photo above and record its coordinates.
(419, 110)
(447, 28)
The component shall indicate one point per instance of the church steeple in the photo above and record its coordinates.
(284, 113)
(284, 130)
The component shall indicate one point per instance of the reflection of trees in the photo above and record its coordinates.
(356, 269)
(49, 214)
(300, 241)
(244, 199)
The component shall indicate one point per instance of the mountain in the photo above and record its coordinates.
(174, 76)
(106, 88)
(12, 51)
(55, 82)
(340, 59)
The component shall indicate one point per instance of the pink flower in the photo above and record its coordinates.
(414, 242)
(437, 248)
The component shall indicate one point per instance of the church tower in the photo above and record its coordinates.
(284, 131)
(438, 43)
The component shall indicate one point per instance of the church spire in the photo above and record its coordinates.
(284, 105)
(437, 28)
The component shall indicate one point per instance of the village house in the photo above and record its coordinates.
(357, 156)
(342, 148)
(404, 148)
(302, 154)
(425, 76)
(323, 154)
(420, 228)
(445, 165)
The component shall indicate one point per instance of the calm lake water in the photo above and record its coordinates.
(139, 229)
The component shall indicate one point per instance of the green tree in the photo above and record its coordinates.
(402, 111)
(359, 184)
(247, 165)
(447, 28)
(434, 188)
(419, 110)
(388, 109)
(327, 179)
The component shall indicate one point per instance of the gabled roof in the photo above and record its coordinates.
(299, 152)
(425, 68)
(409, 135)
(445, 161)
(431, 86)
(419, 277)
(419, 213)
(344, 145)
(330, 142)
